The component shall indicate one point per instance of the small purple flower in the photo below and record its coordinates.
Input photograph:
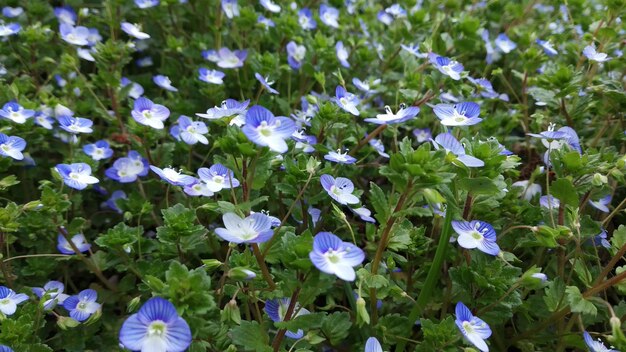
(12, 12)
(12, 146)
(144, 62)
(595, 346)
(422, 134)
(488, 46)
(211, 76)
(364, 213)
(164, 82)
(53, 292)
(372, 345)
(74, 35)
(256, 228)
(111, 203)
(549, 202)
(474, 329)
(342, 54)
(218, 177)
(9, 300)
(402, 115)
(65, 14)
(601, 239)
(265, 129)
(85, 54)
(172, 176)
(306, 20)
(590, 53)
(295, 54)
(266, 83)
(136, 90)
(452, 145)
(229, 107)
(82, 305)
(150, 114)
(378, 146)
(231, 59)
(530, 189)
(276, 310)
(127, 169)
(190, 132)
(333, 256)
(339, 189)
(75, 125)
(270, 6)
(462, 114)
(476, 234)
(414, 50)
(43, 119)
(230, 8)
(77, 176)
(15, 112)
(266, 22)
(9, 29)
(602, 203)
(446, 66)
(505, 44)
(134, 31)
(145, 4)
(547, 47)
(78, 240)
(329, 16)
(156, 327)
(339, 157)
(99, 150)
(347, 101)
(197, 189)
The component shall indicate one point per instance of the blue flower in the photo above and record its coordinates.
(339, 189)
(414, 49)
(94, 37)
(211, 76)
(266, 22)
(485, 87)
(65, 14)
(366, 86)
(306, 20)
(451, 145)
(384, 17)
(462, 114)
(378, 146)
(347, 101)
(144, 62)
(530, 189)
(9, 29)
(77, 176)
(295, 54)
(590, 53)
(164, 82)
(136, 90)
(476, 234)
(231, 59)
(156, 327)
(190, 132)
(547, 47)
(329, 16)
(12, 146)
(12, 12)
(339, 157)
(422, 134)
(230, 8)
(172, 176)
(595, 346)
(150, 114)
(265, 82)
(9, 300)
(600, 239)
(600, 204)
(372, 345)
(549, 202)
(74, 35)
(342, 54)
(78, 240)
(82, 305)
(276, 310)
(99, 150)
(473, 328)
(446, 66)
(86, 54)
(364, 213)
(505, 44)
(270, 5)
(229, 107)
(125, 170)
(15, 112)
(4, 348)
(111, 203)
(256, 228)
(145, 4)
(197, 189)
(52, 291)
(333, 256)
(402, 115)
(134, 30)
(304, 142)
(75, 125)
(488, 46)
(218, 177)
(265, 129)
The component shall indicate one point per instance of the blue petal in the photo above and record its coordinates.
(133, 332)
(372, 345)
(157, 308)
(462, 312)
(178, 335)
(324, 241)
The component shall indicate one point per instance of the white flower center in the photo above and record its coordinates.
(332, 256)
(218, 179)
(468, 327)
(74, 176)
(264, 129)
(157, 328)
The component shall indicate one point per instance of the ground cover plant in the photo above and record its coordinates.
(335, 175)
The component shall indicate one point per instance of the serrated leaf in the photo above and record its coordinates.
(251, 337)
(578, 303)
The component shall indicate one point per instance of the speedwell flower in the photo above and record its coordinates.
(339, 189)
(9, 300)
(549, 202)
(156, 327)
(595, 346)
(276, 310)
(15, 112)
(218, 177)
(474, 329)
(172, 176)
(75, 125)
(505, 44)
(164, 82)
(99, 150)
(53, 292)
(231, 59)
(256, 228)
(295, 54)
(127, 169)
(147, 113)
(306, 20)
(11, 12)
(329, 16)
(402, 115)
(476, 234)
(372, 345)
(211, 76)
(230, 8)
(462, 114)
(134, 30)
(190, 132)
(229, 107)
(77, 176)
(342, 54)
(78, 240)
(602, 203)
(347, 101)
(12, 146)
(74, 35)
(145, 4)
(452, 145)
(266, 83)
(265, 129)
(136, 90)
(547, 47)
(530, 189)
(270, 5)
(339, 157)
(590, 53)
(333, 256)
(446, 66)
(82, 305)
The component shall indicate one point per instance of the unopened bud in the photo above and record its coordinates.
(599, 179)
(240, 273)
(211, 264)
(67, 323)
(362, 316)
(133, 304)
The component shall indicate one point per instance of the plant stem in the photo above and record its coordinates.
(433, 274)
(278, 339)
(263, 266)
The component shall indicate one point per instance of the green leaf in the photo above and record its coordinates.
(379, 203)
(251, 337)
(118, 236)
(577, 303)
(8, 181)
(564, 190)
(336, 327)
(618, 240)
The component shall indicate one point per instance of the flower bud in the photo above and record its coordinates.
(133, 304)
(34, 205)
(240, 273)
(211, 264)
(231, 312)
(599, 179)
(533, 278)
(67, 323)
(362, 316)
